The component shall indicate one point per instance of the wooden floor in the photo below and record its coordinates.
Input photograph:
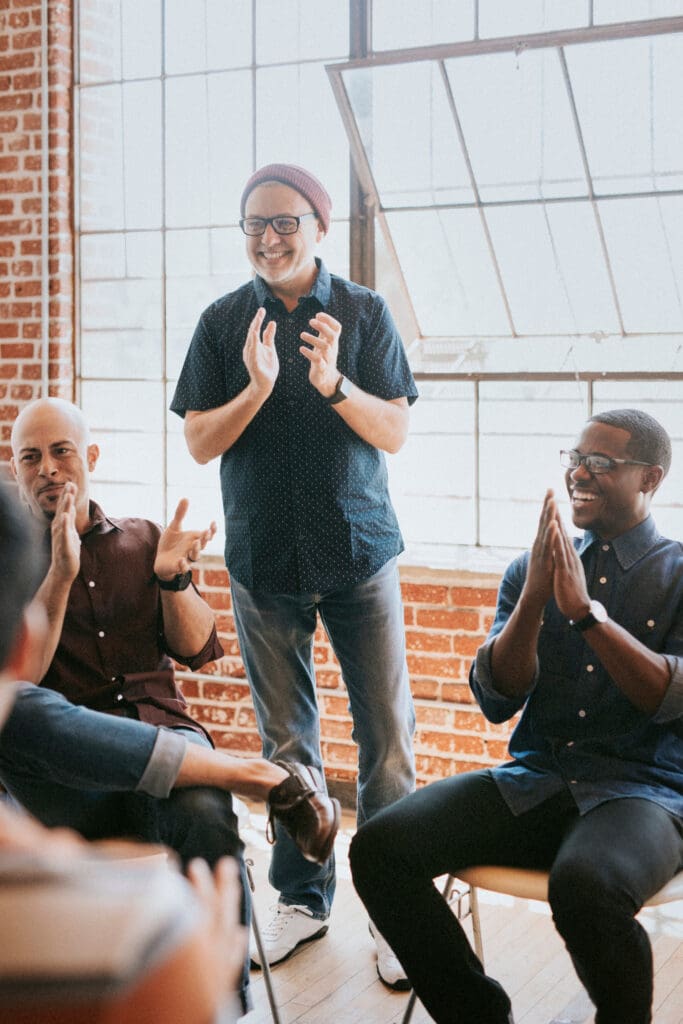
(333, 980)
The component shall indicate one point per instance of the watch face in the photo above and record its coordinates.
(598, 611)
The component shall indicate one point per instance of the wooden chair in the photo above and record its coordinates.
(522, 884)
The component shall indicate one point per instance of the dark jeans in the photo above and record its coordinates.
(603, 866)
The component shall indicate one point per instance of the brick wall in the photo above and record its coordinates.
(447, 616)
(21, 329)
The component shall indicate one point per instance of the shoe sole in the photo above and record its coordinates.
(302, 942)
(325, 851)
(402, 985)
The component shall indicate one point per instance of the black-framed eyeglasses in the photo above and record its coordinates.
(284, 224)
(595, 464)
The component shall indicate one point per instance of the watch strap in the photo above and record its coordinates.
(180, 581)
(340, 393)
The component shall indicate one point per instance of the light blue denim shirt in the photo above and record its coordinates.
(577, 729)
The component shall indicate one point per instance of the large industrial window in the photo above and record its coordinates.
(524, 167)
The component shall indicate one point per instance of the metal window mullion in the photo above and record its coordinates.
(591, 191)
(476, 481)
(45, 200)
(76, 201)
(164, 332)
(477, 198)
(361, 220)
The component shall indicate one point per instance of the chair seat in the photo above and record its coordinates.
(533, 885)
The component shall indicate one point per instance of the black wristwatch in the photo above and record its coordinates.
(179, 582)
(597, 613)
(341, 392)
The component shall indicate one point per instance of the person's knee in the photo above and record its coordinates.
(581, 889)
(367, 857)
(209, 814)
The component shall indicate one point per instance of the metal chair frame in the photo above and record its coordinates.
(521, 883)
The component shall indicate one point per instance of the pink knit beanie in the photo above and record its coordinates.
(300, 180)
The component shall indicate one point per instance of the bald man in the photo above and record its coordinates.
(121, 604)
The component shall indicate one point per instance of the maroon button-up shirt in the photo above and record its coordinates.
(113, 655)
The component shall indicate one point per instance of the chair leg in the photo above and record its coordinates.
(265, 966)
(476, 924)
(446, 893)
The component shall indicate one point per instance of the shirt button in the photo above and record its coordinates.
(589, 668)
(605, 547)
(91, 583)
(603, 579)
(119, 696)
(650, 623)
(582, 713)
(570, 743)
(572, 782)
(101, 633)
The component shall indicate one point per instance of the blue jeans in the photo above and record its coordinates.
(603, 866)
(365, 625)
(102, 775)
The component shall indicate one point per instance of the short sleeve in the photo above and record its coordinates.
(383, 364)
(201, 384)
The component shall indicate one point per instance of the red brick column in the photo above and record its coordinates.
(21, 188)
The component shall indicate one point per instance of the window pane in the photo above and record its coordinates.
(397, 24)
(119, 39)
(208, 147)
(99, 41)
(631, 128)
(523, 426)
(449, 272)
(552, 268)
(432, 477)
(634, 10)
(126, 419)
(121, 305)
(141, 38)
(416, 167)
(120, 157)
(218, 35)
(528, 148)
(301, 30)
(295, 111)
(645, 241)
(522, 16)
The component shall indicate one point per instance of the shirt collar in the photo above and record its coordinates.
(631, 546)
(99, 521)
(320, 290)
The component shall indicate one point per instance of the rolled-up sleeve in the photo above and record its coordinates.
(494, 705)
(671, 707)
(211, 651)
(164, 764)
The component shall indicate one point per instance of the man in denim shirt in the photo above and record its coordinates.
(588, 641)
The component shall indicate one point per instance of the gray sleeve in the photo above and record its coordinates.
(164, 764)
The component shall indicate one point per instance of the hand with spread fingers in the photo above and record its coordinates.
(260, 355)
(179, 548)
(322, 353)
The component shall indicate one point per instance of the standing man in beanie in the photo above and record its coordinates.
(299, 381)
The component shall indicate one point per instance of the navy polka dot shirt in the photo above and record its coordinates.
(306, 502)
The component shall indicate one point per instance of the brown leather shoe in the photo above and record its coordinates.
(302, 805)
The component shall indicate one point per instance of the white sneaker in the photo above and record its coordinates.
(288, 928)
(388, 964)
